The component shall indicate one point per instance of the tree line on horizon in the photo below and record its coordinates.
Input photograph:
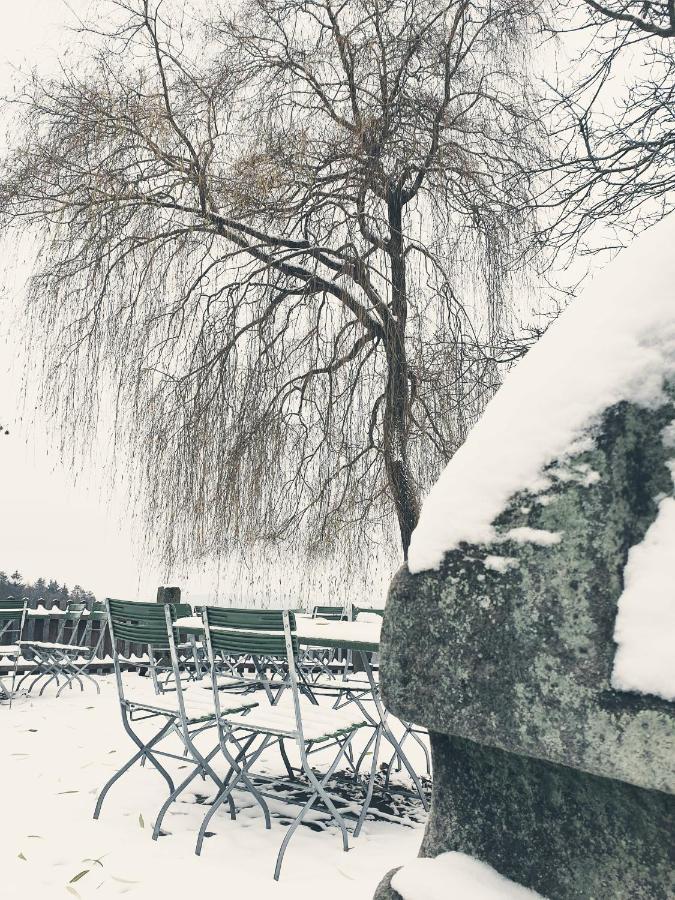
(48, 592)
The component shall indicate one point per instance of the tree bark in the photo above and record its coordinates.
(396, 422)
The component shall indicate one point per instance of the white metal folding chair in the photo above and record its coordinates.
(270, 635)
(55, 660)
(12, 619)
(181, 713)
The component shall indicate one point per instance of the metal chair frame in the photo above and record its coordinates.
(269, 634)
(73, 669)
(152, 625)
(345, 692)
(318, 661)
(12, 621)
(57, 659)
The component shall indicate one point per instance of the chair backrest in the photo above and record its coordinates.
(138, 623)
(12, 618)
(150, 625)
(357, 610)
(98, 615)
(180, 610)
(334, 613)
(264, 637)
(69, 622)
(249, 632)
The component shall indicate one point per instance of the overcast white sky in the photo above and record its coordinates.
(51, 524)
(77, 530)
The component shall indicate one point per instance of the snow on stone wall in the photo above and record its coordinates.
(615, 342)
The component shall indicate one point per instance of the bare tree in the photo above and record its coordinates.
(285, 235)
(618, 118)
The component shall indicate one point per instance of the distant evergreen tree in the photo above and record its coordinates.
(42, 591)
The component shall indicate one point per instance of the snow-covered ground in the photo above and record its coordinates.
(456, 875)
(55, 754)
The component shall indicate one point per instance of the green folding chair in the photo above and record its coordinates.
(319, 661)
(334, 613)
(191, 655)
(12, 619)
(269, 637)
(55, 660)
(75, 668)
(183, 713)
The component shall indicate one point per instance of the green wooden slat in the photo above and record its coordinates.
(181, 610)
(137, 610)
(142, 634)
(334, 613)
(243, 643)
(7, 615)
(253, 619)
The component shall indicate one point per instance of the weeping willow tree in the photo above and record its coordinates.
(286, 236)
(615, 112)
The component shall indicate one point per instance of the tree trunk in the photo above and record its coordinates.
(397, 401)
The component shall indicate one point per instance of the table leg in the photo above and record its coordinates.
(386, 730)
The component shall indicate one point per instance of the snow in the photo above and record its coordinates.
(456, 876)
(616, 342)
(500, 563)
(352, 633)
(55, 755)
(645, 622)
(526, 535)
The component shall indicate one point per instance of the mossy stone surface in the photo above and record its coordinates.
(541, 768)
(559, 831)
(384, 889)
(521, 660)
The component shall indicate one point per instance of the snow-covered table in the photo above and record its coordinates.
(356, 636)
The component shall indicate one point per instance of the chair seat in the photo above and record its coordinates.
(47, 645)
(226, 682)
(197, 708)
(318, 724)
(341, 684)
(10, 650)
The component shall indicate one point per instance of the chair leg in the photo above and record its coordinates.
(236, 775)
(371, 783)
(181, 787)
(8, 692)
(416, 737)
(54, 677)
(78, 674)
(319, 794)
(142, 754)
(284, 756)
(365, 750)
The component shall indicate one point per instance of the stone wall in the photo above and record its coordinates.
(540, 768)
